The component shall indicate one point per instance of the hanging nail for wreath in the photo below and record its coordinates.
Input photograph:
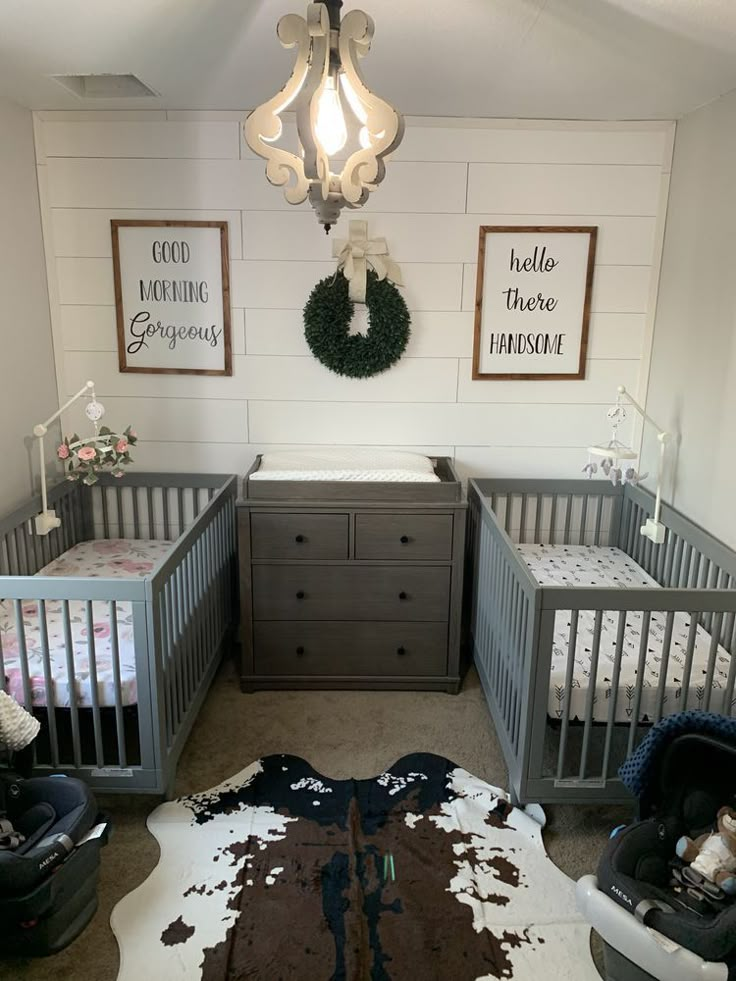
(366, 274)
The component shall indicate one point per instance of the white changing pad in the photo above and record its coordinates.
(583, 565)
(117, 558)
(346, 463)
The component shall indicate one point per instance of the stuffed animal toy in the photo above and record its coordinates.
(713, 856)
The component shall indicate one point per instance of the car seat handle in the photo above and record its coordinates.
(647, 906)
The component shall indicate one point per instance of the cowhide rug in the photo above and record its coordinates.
(422, 873)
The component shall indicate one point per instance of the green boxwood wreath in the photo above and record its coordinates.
(327, 317)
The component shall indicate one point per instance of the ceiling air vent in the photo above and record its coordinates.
(105, 86)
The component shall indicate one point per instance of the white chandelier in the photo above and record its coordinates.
(344, 130)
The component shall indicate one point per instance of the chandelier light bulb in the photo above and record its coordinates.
(329, 127)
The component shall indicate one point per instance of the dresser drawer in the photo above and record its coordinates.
(299, 536)
(350, 648)
(403, 536)
(350, 592)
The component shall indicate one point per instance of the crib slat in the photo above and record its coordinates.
(167, 670)
(553, 520)
(692, 634)
(583, 521)
(105, 515)
(507, 516)
(568, 515)
(119, 502)
(48, 683)
(610, 724)
(149, 501)
(664, 664)
(165, 502)
(93, 692)
(180, 504)
(567, 694)
(71, 682)
(522, 520)
(2, 665)
(136, 515)
(598, 519)
(590, 699)
(643, 646)
(538, 519)
(118, 692)
(20, 631)
(712, 655)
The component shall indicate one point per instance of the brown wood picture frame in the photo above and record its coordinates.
(485, 230)
(118, 224)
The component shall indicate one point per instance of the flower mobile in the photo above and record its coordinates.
(104, 452)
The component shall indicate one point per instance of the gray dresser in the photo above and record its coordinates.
(351, 585)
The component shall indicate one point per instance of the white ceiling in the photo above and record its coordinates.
(595, 59)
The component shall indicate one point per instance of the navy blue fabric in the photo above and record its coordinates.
(636, 772)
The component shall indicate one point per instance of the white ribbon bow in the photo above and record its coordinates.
(357, 253)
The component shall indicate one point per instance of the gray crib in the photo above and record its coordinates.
(523, 632)
(180, 616)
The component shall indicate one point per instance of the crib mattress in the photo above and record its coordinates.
(597, 566)
(108, 558)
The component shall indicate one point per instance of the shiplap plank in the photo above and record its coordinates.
(102, 366)
(164, 419)
(187, 457)
(433, 335)
(85, 232)
(96, 138)
(520, 461)
(424, 422)
(306, 379)
(616, 289)
(76, 182)
(552, 145)
(434, 238)
(267, 378)
(93, 328)
(427, 286)
(601, 381)
(554, 188)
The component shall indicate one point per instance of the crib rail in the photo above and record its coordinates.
(504, 622)
(22, 551)
(154, 506)
(555, 512)
(577, 725)
(191, 614)
(119, 724)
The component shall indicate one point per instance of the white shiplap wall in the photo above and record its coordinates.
(449, 177)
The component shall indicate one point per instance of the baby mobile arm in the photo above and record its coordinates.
(47, 520)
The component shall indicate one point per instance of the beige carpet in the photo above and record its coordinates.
(342, 734)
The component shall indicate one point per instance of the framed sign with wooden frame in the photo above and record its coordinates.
(172, 296)
(532, 302)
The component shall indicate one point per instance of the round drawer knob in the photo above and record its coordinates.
(404, 539)
(300, 652)
(300, 594)
(401, 651)
(299, 539)
(403, 595)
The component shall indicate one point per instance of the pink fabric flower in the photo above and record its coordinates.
(121, 446)
(63, 452)
(87, 453)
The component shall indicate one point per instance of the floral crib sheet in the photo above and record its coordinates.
(107, 558)
(588, 565)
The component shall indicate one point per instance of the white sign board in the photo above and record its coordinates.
(533, 302)
(172, 296)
